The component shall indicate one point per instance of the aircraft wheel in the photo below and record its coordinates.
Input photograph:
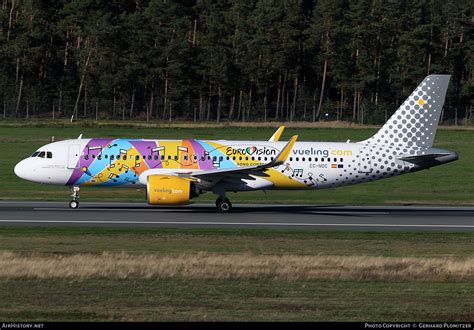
(224, 206)
(73, 204)
(218, 200)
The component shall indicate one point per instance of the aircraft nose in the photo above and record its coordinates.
(21, 170)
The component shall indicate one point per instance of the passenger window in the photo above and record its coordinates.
(233, 158)
(240, 158)
(221, 158)
(99, 157)
(297, 159)
(291, 159)
(228, 158)
(309, 159)
(169, 157)
(156, 157)
(93, 156)
(49, 154)
(214, 158)
(175, 157)
(118, 156)
(185, 157)
(137, 158)
(246, 158)
(86, 157)
(112, 157)
(124, 157)
(303, 159)
(149, 157)
(316, 159)
(106, 156)
(342, 160)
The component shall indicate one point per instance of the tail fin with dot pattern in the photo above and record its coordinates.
(414, 124)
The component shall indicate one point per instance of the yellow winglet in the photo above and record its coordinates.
(276, 136)
(283, 155)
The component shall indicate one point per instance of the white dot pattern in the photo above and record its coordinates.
(414, 124)
(410, 131)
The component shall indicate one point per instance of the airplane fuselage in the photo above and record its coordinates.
(127, 162)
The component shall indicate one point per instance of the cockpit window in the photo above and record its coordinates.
(42, 154)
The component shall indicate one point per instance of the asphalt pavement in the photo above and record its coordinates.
(340, 217)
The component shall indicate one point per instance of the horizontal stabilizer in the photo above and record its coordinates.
(431, 159)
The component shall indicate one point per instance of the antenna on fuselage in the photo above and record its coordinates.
(52, 138)
(79, 137)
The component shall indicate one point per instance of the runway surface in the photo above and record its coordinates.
(405, 218)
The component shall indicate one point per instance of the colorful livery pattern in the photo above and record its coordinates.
(117, 162)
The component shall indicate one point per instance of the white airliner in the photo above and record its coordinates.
(175, 171)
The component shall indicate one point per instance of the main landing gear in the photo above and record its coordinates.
(223, 205)
(74, 204)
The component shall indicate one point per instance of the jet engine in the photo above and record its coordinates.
(170, 190)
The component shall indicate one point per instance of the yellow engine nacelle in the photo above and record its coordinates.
(169, 190)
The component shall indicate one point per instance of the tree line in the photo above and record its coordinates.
(259, 60)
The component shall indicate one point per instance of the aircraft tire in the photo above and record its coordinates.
(73, 204)
(224, 206)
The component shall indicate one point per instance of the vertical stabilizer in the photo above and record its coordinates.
(414, 124)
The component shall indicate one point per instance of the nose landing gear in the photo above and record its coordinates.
(74, 204)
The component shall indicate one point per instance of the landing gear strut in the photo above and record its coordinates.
(74, 204)
(223, 205)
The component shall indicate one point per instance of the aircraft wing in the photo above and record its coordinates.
(277, 161)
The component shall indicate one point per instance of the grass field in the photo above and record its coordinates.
(448, 184)
(173, 274)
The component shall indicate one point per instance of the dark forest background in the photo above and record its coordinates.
(261, 60)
